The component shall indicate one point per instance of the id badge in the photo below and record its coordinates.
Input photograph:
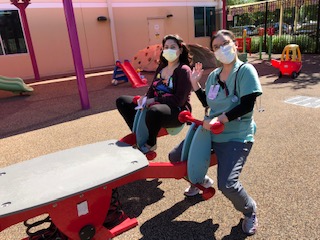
(213, 91)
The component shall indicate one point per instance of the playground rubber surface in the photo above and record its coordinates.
(281, 173)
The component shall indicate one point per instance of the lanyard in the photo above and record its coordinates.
(224, 85)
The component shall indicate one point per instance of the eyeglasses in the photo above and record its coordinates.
(217, 47)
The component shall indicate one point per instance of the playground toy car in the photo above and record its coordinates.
(290, 62)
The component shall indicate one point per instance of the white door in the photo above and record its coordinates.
(156, 31)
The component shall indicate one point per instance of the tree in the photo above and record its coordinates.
(236, 2)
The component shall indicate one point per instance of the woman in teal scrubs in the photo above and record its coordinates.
(229, 95)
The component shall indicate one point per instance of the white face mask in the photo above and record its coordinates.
(225, 54)
(170, 55)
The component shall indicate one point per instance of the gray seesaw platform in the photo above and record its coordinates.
(56, 176)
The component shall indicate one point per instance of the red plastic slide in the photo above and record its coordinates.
(132, 74)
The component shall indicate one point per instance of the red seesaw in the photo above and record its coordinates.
(75, 188)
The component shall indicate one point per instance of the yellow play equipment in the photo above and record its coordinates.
(291, 52)
(290, 62)
(15, 85)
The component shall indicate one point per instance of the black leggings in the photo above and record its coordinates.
(157, 116)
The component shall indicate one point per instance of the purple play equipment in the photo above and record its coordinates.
(77, 59)
(22, 5)
(74, 42)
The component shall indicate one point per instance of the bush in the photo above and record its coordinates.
(255, 41)
(278, 43)
(307, 44)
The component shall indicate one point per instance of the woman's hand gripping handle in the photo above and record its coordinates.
(215, 127)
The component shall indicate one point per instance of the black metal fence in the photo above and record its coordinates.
(294, 21)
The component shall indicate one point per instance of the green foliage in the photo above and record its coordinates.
(278, 43)
(236, 2)
(309, 12)
(255, 41)
(306, 43)
(303, 33)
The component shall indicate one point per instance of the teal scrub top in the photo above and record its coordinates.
(243, 128)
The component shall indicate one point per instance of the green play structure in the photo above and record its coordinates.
(15, 85)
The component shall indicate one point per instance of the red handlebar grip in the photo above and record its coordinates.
(135, 99)
(185, 116)
(217, 128)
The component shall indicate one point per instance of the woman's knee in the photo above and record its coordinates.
(174, 157)
(120, 102)
(155, 109)
(175, 154)
(124, 103)
(228, 188)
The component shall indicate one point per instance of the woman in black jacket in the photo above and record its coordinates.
(168, 94)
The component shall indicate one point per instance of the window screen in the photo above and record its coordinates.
(12, 39)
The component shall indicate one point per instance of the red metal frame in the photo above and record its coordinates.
(65, 214)
(239, 42)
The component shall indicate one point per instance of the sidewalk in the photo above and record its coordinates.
(281, 172)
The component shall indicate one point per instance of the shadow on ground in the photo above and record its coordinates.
(133, 201)
(308, 76)
(134, 197)
(165, 225)
(57, 102)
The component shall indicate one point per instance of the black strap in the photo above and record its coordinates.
(235, 79)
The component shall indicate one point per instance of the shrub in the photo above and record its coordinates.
(255, 41)
(307, 44)
(278, 43)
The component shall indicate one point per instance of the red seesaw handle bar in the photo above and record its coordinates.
(185, 116)
(135, 99)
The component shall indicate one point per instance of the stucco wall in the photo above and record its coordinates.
(129, 24)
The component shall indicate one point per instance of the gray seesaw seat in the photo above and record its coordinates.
(56, 176)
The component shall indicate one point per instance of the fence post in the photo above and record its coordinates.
(244, 41)
(270, 32)
(318, 30)
(261, 32)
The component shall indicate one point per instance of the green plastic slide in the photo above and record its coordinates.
(15, 85)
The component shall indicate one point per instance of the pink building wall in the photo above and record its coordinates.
(124, 33)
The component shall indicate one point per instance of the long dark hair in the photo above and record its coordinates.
(184, 57)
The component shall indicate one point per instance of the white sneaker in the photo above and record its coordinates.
(192, 190)
(250, 224)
